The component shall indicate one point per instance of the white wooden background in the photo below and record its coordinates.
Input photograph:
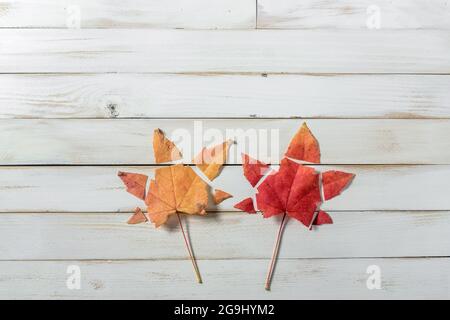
(77, 105)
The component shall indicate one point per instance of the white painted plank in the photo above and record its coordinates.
(353, 14)
(227, 279)
(98, 189)
(230, 235)
(343, 141)
(231, 96)
(291, 51)
(189, 14)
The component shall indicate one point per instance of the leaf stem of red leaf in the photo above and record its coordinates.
(189, 249)
(275, 253)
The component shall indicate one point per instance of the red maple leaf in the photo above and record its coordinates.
(295, 190)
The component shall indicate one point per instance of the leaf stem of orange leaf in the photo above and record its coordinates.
(275, 253)
(189, 249)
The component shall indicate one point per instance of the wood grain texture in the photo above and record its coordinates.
(129, 141)
(189, 14)
(178, 51)
(377, 100)
(98, 189)
(293, 279)
(230, 96)
(81, 236)
(353, 14)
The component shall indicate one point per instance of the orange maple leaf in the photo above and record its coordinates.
(177, 188)
(220, 196)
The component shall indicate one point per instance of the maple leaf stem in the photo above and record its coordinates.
(189, 249)
(275, 253)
